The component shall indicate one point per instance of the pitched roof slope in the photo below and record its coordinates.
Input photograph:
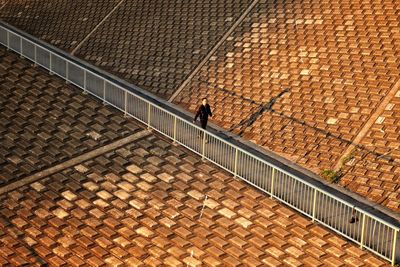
(145, 204)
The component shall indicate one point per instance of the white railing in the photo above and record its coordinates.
(369, 231)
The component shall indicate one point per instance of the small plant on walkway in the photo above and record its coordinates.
(346, 159)
(331, 176)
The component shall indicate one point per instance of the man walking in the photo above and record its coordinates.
(203, 111)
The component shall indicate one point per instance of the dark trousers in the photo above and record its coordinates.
(203, 124)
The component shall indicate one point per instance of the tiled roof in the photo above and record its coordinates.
(144, 204)
(301, 79)
(156, 217)
(59, 22)
(44, 121)
(155, 45)
(376, 173)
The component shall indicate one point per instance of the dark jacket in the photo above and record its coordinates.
(203, 112)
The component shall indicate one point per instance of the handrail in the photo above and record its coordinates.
(332, 211)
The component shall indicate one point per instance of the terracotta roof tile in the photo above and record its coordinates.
(335, 80)
(67, 219)
(36, 157)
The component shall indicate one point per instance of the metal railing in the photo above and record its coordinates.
(369, 231)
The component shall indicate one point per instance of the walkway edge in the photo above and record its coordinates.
(74, 161)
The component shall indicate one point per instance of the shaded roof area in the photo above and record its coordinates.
(315, 82)
(143, 204)
(153, 44)
(45, 122)
(61, 23)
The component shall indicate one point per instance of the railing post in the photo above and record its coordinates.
(273, 182)
(314, 204)
(35, 55)
(394, 247)
(236, 162)
(148, 115)
(126, 104)
(104, 92)
(8, 40)
(203, 152)
(84, 82)
(20, 48)
(50, 72)
(174, 134)
(66, 71)
(362, 231)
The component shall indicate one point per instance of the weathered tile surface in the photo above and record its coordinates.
(156, 45)
(43, 121)
(337, 60)
(59, 22)
(129, 206)
(103, 212)
(302, 78)
(375, 172)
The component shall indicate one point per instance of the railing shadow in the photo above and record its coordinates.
(261, 108)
